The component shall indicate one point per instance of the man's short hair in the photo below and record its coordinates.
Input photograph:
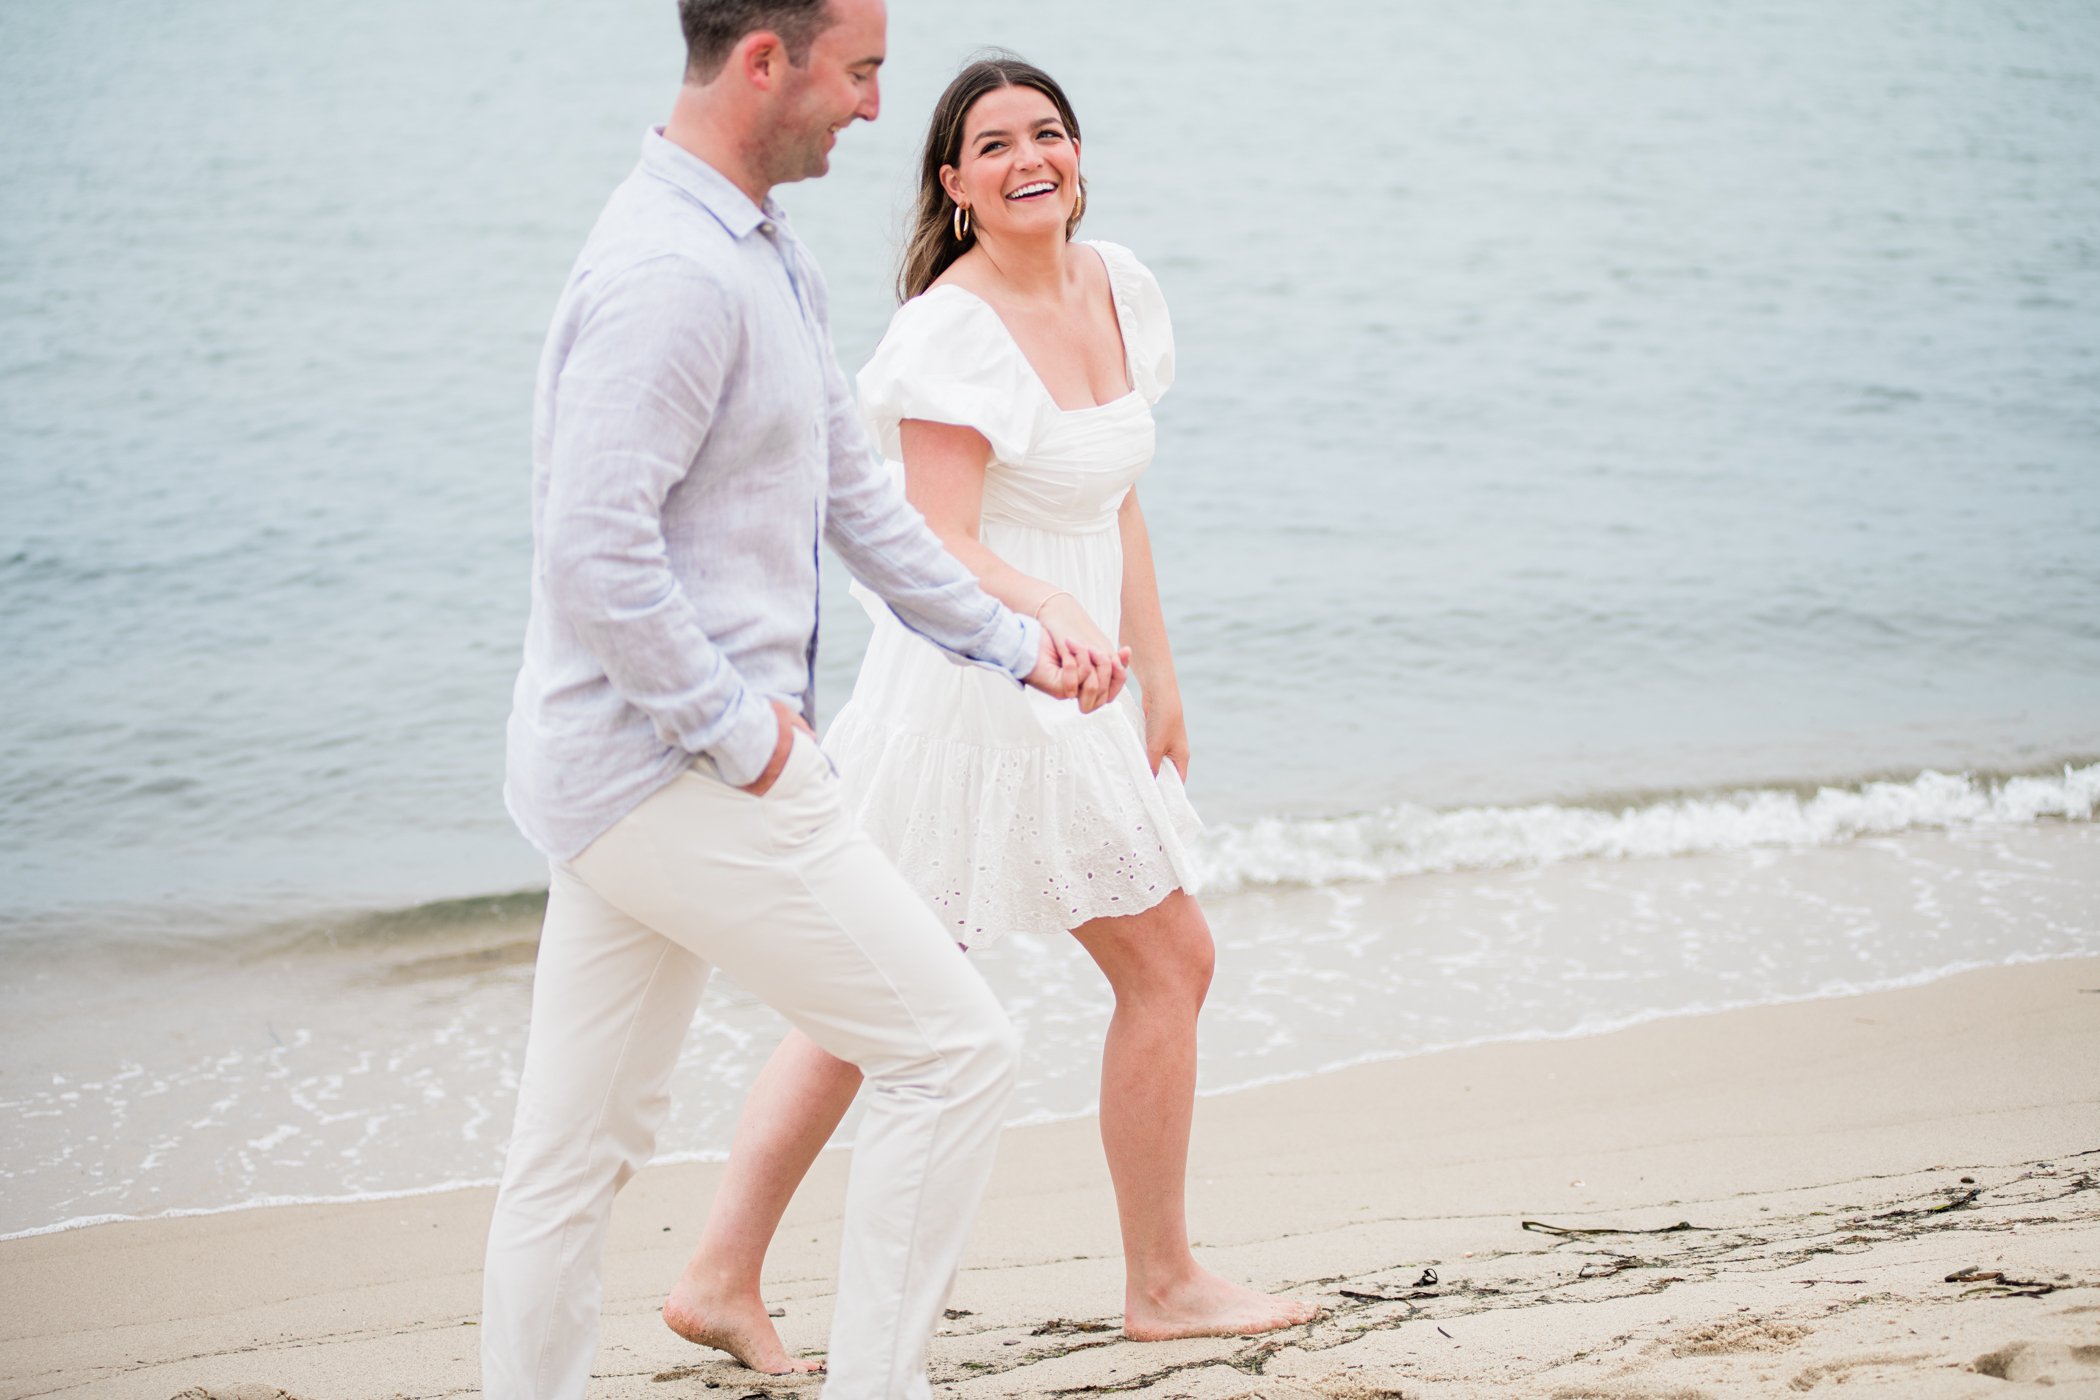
(713, 27)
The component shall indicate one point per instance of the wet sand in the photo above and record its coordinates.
(1896, 1193)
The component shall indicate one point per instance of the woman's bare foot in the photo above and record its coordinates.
(737, 1325)
(1204, 1305)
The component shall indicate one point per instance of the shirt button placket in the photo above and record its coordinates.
(816, 569)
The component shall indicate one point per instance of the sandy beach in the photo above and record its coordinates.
(1897, 1194)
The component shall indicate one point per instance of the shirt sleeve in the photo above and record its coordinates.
(635, 398)
(888, 546)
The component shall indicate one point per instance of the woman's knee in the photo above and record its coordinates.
(1165, 956)
(1199, 949)
(810, 1062)
(1194, 968)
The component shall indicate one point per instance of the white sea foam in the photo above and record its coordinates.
(1411, 840)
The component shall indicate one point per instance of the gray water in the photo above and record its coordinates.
(1575, 399)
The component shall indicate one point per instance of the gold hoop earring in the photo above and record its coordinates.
(1078, 203)
(960, 223)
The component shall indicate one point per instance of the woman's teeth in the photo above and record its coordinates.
(1041, 187)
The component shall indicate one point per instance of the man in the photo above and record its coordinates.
(693, 440)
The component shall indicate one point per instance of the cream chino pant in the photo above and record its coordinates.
(785, 895)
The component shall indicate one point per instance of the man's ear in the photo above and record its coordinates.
(759, 57)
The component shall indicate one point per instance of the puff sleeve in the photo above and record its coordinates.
(948, 358)
(1148, 332)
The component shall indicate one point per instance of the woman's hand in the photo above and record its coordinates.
(1103, 666)
(1166, 734)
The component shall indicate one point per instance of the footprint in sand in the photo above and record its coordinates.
(1841, 1371)
(2049, 1363)
(1733, 1336)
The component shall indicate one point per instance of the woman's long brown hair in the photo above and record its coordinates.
(933, 247)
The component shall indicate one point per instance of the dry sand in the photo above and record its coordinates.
(1890, 1195)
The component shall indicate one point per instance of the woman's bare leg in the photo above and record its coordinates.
(799, 1098)
(1159, 963)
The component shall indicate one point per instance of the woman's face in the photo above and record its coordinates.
(1018, 173)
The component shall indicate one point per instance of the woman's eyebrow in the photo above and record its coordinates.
(1001, 131)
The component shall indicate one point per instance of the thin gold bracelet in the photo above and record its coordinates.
(1060, 593)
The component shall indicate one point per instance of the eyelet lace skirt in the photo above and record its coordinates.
(1005, 809)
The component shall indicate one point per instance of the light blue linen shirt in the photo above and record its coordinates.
(693, 440)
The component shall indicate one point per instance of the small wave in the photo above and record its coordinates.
(1411, 840)
(465, 935)
(417, 922)
(473, 933)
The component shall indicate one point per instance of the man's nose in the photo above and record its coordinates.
(870, 101)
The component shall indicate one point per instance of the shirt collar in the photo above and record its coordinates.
(707, 186)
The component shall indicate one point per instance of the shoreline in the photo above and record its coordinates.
(716, 1157)
(380, 1057)
(1762, 1126)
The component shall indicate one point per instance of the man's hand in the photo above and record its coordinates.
(790, 721)
(1056, 674)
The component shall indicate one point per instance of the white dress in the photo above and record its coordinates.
(1006, 809)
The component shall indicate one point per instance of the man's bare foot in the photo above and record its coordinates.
(1204, 1305)
(738, 1326)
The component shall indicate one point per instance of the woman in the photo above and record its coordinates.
(1016, 385)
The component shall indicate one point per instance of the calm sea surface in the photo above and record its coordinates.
(1580, 405)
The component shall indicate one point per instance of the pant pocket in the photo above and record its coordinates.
(804, 799)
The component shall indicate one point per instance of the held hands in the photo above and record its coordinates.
(1092, 669)
(1065, 672)
(1076, 660)
(1104, 667)
(789, 721)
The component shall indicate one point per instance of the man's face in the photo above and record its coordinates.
(836, 84)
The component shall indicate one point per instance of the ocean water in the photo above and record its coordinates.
(1633, 483)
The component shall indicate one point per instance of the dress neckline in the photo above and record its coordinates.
(1115, 309)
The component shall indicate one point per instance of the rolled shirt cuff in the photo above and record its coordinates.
(1025, 649)
(746, 747)
(1015, 644)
